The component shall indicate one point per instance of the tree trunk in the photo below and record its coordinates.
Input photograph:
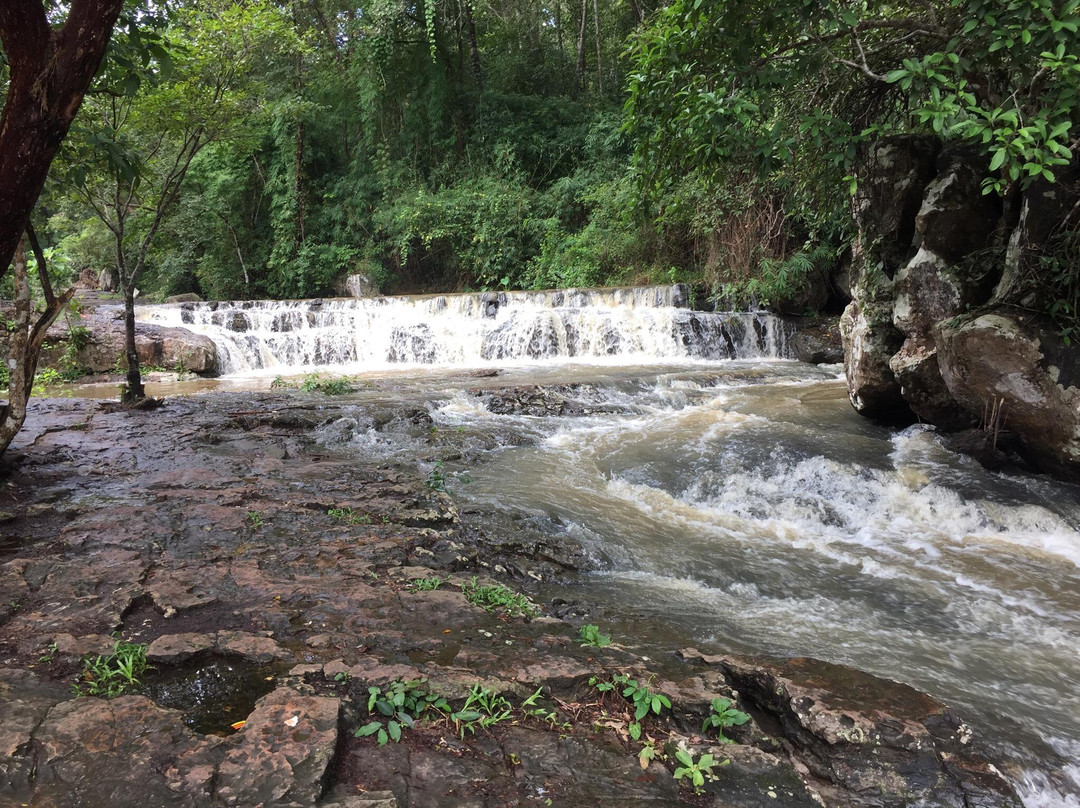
(599, 63)
(133, 390)
(50, 72)
(581, 46)
(474, 48)
(26, 342)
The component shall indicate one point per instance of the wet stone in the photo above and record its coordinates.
(283, 753)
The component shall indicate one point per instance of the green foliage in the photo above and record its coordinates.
(717, 87)
(44, 379)
(315, 383)
(348, 516)
(483, 708)
(722, 716)
(397, 708)
(532, 708)
(698, 770)
(498, 599)
(254, 519)
(638, 694)
(436, 479)
(590, 636)
(112, 675)
(425, 584)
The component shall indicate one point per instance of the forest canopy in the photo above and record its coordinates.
(266, 149)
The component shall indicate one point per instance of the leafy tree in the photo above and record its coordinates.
(46, 66)
(140, 147)
(797, 87)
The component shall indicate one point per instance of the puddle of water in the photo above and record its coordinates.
(212, 695)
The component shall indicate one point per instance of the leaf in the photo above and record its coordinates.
(684, 757)
(395, 730)
(368, 729)
(998, 159)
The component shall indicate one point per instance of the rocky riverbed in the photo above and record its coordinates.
(275, 582)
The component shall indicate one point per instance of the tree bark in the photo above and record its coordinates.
(581, 46)
(599, 63)
(50, 72)
(26, 341)
(474, 47)
(133, 390)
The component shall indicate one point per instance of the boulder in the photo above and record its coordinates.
(1020, 364)
(817, 348)
(357, 285)
(156, 345)
(127, 751)
(867, 741)
(870, 340)
(186, 297)
(283, 753)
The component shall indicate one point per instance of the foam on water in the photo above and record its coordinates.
(614, 326)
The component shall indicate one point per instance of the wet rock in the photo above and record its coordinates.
(545, 400)
(171, 649)
(250, 646)
(127, 751)
(1020, 365)
(356, 285)
(90, 645)
(870, 340)
(186, 297)
(868, 741)
(816, 349)
(26, 700)
(283, 753)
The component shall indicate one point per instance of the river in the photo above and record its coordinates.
(729, 498)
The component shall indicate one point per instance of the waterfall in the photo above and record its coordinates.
(622, 325)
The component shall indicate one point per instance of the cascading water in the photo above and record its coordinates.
(742, 507)
(632, 324)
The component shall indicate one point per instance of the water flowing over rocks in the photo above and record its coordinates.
(482, 329)
(221, 532)
(908, 335)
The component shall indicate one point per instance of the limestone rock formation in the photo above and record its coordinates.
(913, 331)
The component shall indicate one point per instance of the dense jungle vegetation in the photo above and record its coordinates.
(266, 148)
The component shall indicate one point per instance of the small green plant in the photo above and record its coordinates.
(591, 637)
(48, 655)
(254, 519)
(399, 707)
(314, 383)
(724, 715)
(436, 479)
(425, 584)
(279, 383)
(110, 676)
(643, 699)
(343, 677)
(483, 708)
(648, 752)
(498, 599)
(532, 708)
(45, 378)
(697, 770)
(348, 516)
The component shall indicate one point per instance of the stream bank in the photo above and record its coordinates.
(272, 578)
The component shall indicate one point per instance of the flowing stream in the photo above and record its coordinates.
(729, 498)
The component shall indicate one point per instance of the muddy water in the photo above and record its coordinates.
(742, 506)
(754, 512)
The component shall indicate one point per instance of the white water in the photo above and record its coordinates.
(766, 517)
(613, 326)
(739, 506)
